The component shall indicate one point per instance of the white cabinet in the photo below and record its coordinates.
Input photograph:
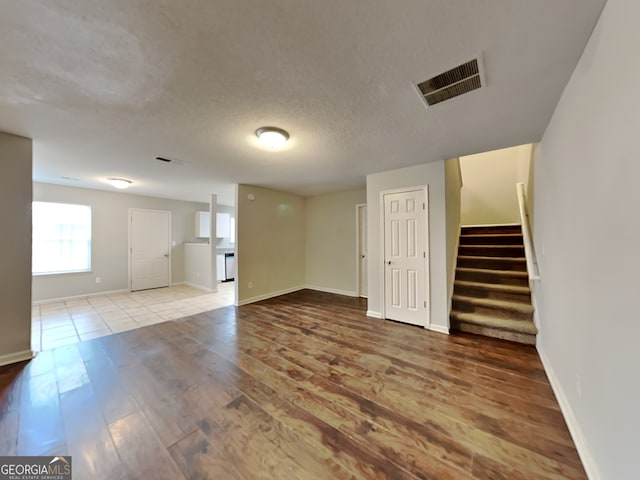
(220, 271)
(203, 224)
(223, 225)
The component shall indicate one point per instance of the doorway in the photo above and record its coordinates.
(149, 249)
(361, 249)
(405, 255)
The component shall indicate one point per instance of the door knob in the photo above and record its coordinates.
(361, 256)
(388, 262)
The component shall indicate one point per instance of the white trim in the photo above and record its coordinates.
(453, 270)
(577, 435)
(372, 314)
(258, 298)
(438, 328)
(335, 291)
(78, 297)
(16, 357)
(195, 285)
(427, 261)
(529, 250)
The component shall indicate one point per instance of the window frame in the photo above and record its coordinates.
(89, 242)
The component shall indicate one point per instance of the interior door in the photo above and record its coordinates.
(362, 251)
(150, 248)
(405, 256)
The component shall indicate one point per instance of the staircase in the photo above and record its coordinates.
(491, 293)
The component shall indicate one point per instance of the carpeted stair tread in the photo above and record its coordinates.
(496, 304)
(492, 259)
(496, 323)
(488, 271)
(491, 294)
(491, 239)
(494, 286)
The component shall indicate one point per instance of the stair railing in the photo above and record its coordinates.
(529, 250)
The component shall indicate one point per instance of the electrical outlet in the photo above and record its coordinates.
(250, 285)
(98, 280)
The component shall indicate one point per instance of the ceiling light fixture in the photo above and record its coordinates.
(120, 183)
(272, 137)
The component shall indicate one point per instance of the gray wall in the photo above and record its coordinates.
(15, 248)
(587, 196)
(431, 174)
(110, 212)
(331, 241)
(271, 243)
(489, 192)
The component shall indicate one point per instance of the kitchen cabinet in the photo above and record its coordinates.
(223, 225)
(203, 224)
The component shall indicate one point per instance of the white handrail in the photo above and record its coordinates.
(529, 250)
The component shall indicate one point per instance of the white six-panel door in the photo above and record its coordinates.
(150, 248)
(405, 252)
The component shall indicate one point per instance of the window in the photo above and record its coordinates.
(61, 238)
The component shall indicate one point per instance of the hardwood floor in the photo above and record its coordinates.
(302, 386)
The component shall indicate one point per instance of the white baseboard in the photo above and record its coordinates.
(199, 287)
(77, 297)
(347, 293)
(16, 357)
(372, 314)
(439, 329)
(268, 295)
(574, 427)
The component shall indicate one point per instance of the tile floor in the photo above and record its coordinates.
(63, 323)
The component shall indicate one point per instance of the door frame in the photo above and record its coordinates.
(427, 271)
(358, 282)
(130, 248)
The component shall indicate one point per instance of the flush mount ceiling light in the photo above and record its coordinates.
(120, 183)
(272, 137)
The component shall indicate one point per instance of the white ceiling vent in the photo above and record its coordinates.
(452, 83)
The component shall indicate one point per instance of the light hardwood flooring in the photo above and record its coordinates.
(302, 386)
(55, 324)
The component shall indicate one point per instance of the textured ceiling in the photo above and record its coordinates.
(103, 87)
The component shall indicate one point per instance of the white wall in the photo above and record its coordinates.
(270, 248)
(587, 199)
(15, 248)
(453, 185)
(331, 241)
(198, 266)
(110, 212)
(489, 192)
(431, 174)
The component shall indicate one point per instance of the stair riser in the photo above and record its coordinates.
(493, 264)
(491, 240)
(464, 307)
(480, 292)
(495, 333)
(491, 251)
(491, 230)
(489, 278)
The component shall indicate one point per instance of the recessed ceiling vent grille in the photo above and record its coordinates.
(452, 83)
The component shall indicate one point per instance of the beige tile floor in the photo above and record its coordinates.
(63, 323)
